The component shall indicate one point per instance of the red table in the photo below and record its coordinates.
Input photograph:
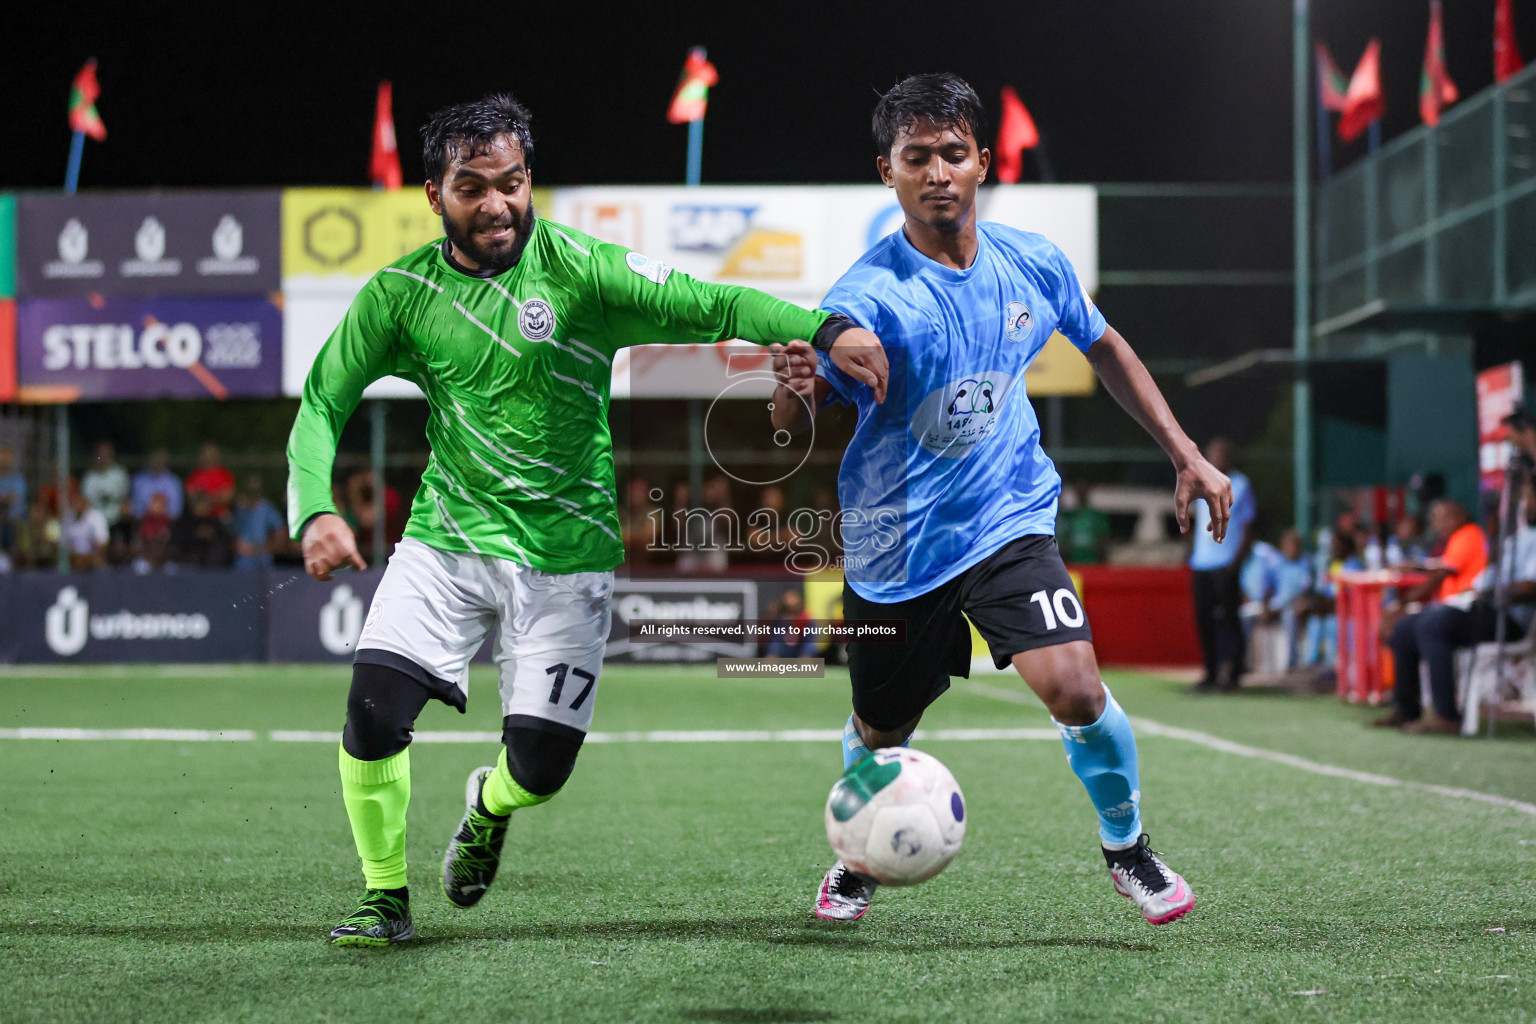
(1358, 611)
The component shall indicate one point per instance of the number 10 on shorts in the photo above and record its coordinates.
(1060, 609)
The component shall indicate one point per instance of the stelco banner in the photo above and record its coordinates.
(150, 243)
(95, 617)
(72, 350)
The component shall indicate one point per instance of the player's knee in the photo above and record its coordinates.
(381, 712)
(540, 761)
(1075, 697)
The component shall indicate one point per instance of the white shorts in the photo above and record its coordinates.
(434, 608)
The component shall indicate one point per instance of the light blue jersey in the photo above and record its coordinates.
(1206, 553)
(950, 468)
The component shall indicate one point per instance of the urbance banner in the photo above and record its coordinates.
(149, 243)
(112, 617)
(73, 350)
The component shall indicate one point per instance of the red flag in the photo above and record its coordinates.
(384, 165)
(692, 94)
(1364, 103)
(1331, 83)
(1506, 54)
(1015, 134)
(82, 103)
(1436, 90)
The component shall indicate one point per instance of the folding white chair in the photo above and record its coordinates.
(1482, 670)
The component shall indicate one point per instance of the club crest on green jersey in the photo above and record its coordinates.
(536, 320)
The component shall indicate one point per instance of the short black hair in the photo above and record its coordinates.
(465, 130)
(944, 99)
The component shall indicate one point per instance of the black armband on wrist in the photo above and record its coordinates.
(830, 330)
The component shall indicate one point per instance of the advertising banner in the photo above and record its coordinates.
(7, 247)
(73, 350)
(794, 243)
(637, 601)
(117, 617)
(7, 350)
(312, 621)
(140, 244)
(352, 232)
(334, 240)
(1499, 390)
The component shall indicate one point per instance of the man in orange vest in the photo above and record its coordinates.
(1451, 620)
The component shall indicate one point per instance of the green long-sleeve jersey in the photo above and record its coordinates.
(516, 370)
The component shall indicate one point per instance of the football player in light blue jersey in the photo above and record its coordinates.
(949, 502)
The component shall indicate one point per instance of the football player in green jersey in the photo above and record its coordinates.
(509, 324)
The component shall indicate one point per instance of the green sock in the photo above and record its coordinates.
(376, 794)
(501, 794)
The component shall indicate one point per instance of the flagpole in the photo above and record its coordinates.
(1043, 162)
(695, 150)
(1324, 144)
(1301, 166)
(72, 175)
(1375, 137)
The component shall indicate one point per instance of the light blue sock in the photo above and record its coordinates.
(854, 749)
(1104, 756)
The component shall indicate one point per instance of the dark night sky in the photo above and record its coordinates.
(1123, 90)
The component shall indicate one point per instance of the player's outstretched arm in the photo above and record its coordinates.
(645, 305)
(800, 392)
(358, 352)
(1127, 379)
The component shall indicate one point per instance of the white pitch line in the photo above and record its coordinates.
(1319, 768)
(1150, 728)
(655, 736)
(177, 735)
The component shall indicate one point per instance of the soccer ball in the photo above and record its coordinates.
(896, 816)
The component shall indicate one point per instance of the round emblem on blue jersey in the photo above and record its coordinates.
(1017, 321)
(536, 320)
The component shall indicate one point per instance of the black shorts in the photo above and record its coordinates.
(1020, 597)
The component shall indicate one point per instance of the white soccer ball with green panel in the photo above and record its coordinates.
(897, 816)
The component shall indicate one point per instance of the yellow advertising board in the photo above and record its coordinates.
(1059, 369)
(352, 232)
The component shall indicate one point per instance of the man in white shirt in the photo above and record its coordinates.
(105, 484)
(85, 534)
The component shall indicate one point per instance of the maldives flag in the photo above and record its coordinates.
(384, 165)
(1015, 133)
(1363, 103)
(1436, 90)
(1506, 55)
(82, 103)
(1331, 83)
(692, 94)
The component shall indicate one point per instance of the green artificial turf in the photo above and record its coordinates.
(168, 881)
